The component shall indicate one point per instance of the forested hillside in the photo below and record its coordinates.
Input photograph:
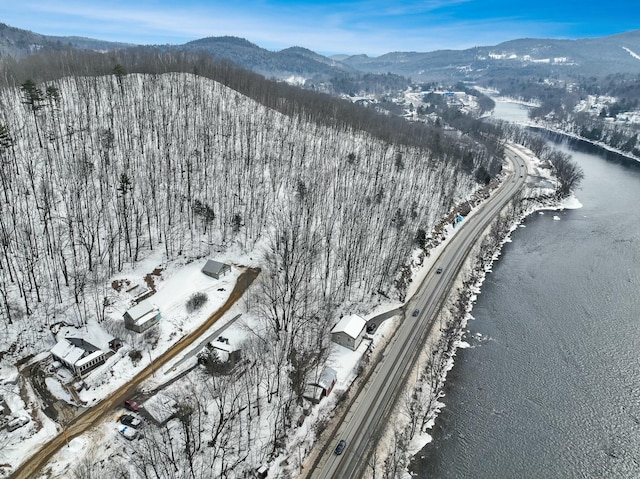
(97, 171)
(100, 172)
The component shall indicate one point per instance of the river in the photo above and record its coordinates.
(550, 387)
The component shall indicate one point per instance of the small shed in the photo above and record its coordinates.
(226, 352)
(262, 471)
(215, 269)
(160, 409)
(115, 344)
(315, 391)
(140, 292)
(141, 317)
(349, 331)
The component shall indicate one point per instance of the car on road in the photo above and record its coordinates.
(132, 405)
(340, 447)
(130, 420)
(439, 270)
(416, 312)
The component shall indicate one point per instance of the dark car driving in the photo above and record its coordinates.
(340, 447)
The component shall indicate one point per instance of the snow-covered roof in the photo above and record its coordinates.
(160, 407)
(82, 343)
(350, 325)
(312, 392)
(91, 333)
(86, 359)
(142, 309)
(67, 352)
(327, 376)
(214, 267)
(147, 317)
(224, 345)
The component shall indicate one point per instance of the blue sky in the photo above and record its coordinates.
(373, 27)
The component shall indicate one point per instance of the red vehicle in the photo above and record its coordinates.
(131, 405)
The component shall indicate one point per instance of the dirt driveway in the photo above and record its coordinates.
(92, 416)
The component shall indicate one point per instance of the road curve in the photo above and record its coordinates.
(364, 420)
(93, 415)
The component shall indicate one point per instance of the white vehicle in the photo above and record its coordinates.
(17, 423)
(128, 432)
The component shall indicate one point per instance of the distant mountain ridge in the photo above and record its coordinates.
(548, 58)
(17, 43)
(292, 61)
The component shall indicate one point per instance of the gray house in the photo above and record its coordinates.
(349, 331)
(141, 317)
(215, 269)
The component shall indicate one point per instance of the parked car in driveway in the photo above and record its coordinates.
(132, 405)
(340, 447)
(131, 420)
(128, 432)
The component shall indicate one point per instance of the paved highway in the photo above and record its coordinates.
(363, 422)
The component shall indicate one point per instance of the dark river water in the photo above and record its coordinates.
(550, 387)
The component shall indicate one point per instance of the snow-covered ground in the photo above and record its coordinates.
(176, 283)
(175, 280)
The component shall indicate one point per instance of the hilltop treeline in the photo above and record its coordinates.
(98, 171)
(290, 100)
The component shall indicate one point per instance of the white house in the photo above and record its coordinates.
(78, 355)
(349, 331)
